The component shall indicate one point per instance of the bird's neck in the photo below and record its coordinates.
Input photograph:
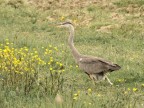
(75, 52)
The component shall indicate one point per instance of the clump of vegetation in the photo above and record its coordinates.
(23, 70)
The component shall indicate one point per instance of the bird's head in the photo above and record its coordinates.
(65, 24)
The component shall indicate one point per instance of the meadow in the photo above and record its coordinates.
(37, 69)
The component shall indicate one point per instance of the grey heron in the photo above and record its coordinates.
(96, 68)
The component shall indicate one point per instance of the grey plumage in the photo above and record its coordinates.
(96, 68)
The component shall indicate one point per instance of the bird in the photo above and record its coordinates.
(95, 67)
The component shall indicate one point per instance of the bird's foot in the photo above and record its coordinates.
(109, 80)
(111, 83)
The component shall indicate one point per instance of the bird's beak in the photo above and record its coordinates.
(56, 24)
(59, 25)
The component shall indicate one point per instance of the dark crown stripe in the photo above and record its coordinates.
(66, 23)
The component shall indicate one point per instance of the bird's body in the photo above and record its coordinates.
(96, 68)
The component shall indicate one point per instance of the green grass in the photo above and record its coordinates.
(100, 31)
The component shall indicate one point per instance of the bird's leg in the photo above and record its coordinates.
(108, 80)
(92, 77)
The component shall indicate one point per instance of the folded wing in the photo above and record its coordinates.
(96, 65)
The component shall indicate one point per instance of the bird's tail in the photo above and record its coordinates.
(115, 67)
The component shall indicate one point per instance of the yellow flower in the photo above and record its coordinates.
(143, 85)
(62, 51)
(119, 80)
(75, 98)
(62, 18)
(7, 43)
(50, 51)
(89, 103)
(7, 40)
(51, 60)
(135, 89)
(56, 48)
(76, 66)
(51, 69)
(89, 90)
(61, 64)
(75, 21)
(75, 94)
(35, 52)
(46, 53)
(50, 46)
(99, 95)
(125, 92)
(128, 89)
(59, 71)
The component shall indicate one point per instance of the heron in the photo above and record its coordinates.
(96, 68)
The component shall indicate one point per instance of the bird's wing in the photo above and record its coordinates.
(96, 65)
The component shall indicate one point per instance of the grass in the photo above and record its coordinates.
(109, 29)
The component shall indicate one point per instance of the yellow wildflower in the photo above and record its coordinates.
(89, 90)
(51, 60)
(7, 40)
(35, 52)
(50, 51)
(99, 95)
(56, 48)
(59, 71)
(78, 92)
(61, 64)
(75, 21)
(62, 51)
(51, 69)
(128, 89)
(75, 98)
(26, 49)
(50, 46)
(135, 89)
(62, 18)
(7, 43)
(46, 53)
(119, 80)
(75, 94)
